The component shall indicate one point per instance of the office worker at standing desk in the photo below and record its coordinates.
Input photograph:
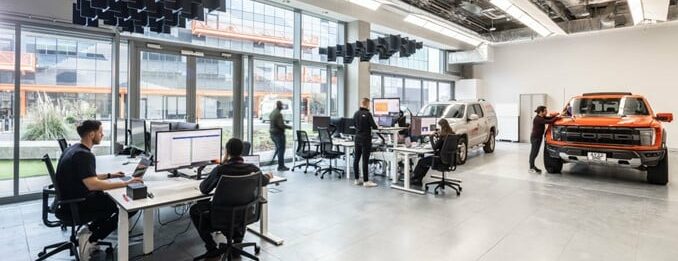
(364, 123)
(76, 176)
(232, 165)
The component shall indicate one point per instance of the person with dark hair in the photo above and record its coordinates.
(402, 122)
(538, 128)
(364, 124)
(425, 163)
(277, 131)
(231, 165)
(76, 177)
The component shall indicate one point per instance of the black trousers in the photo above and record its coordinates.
(202, 208)
(99, 209)
(362, 151)
(534, 151)
(423, 166)
(279, 141)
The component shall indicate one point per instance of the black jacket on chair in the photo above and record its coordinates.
(233, 167)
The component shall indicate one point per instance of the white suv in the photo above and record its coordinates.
(475, 121)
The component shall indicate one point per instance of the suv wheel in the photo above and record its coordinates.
(491, 142)
(659, 174)
(552, 165)
(462, 151)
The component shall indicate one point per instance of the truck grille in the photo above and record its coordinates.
(599, 135)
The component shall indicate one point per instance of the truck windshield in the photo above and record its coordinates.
(432, 110)
(609, 106)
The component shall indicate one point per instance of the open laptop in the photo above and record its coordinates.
(139, 171)
(251, 159)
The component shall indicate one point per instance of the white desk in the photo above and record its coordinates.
(263, 222)
(166, 191)
(348, 147)
(407, 153)
(393, 132)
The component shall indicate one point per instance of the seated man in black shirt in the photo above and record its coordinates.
(231, 165)
(76, 177)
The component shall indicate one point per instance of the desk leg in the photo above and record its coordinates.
(394, 168)
(406, 178)
(347, 157)
(123, 234)
(148, 230)
(263, 224)
(406, 172)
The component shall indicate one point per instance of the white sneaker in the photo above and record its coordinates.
(369, 184)
(358, 182)
(85, 247)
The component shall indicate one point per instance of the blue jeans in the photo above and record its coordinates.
(279, 140)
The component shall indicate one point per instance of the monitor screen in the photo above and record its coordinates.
(347, 126)
(251, 159)
(321, 121)
(155, 127)
(181, 149)
(423, 126)
(137, 131)
(386, 107)
(385, 121)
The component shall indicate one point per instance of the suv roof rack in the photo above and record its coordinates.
(606, 93)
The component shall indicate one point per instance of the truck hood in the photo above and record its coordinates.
(627, 121)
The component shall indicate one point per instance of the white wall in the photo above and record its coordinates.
(641, 60)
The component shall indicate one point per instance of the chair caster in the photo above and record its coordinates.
(460, 189)
(257, 249)
(458, 193)
(42, 253)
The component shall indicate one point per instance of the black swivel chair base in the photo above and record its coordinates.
(329, 170)
(455, 184)
(228, 252)
(72, 246)
(306, 165)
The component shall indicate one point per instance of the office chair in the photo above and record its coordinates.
(47, 192)
(246, 148)
(236, 203)
(62, 144)
(327, 152)
(69, 219)
(446, 162)
(304, 151)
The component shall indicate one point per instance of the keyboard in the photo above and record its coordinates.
(126, 178)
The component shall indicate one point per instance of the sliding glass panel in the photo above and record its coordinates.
(412, 98)
(375, 86)
(7, 108)
(430, 90)
(272, 83)
(444, 91)
(69, 81)
(314, 90)
(163, 86)
(214, 95)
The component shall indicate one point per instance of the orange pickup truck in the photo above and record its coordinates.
(614, 129)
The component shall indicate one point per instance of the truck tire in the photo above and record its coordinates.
(659, 175)
(462, 151)
(491, 142)
(552, 165)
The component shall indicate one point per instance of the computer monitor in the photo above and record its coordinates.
(137, 134)
(386, 107)
(184, 126)
(423, 126)
(320, 122)
(385, 121)
(155, 127)
(347, 126)
(187, 148)
(251, 159)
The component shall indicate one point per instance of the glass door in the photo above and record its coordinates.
(162, 85)
(214, 95)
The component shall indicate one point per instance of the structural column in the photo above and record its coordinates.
(357, 73)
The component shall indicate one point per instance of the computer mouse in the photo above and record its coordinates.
(150, 195)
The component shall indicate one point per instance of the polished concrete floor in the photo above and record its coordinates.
(504, 213)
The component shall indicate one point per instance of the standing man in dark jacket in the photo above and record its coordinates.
(277, 131)
(364, 123)
(231, 165)
(538, 127)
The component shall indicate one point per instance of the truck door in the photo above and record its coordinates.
(473, 126)
(483, 123)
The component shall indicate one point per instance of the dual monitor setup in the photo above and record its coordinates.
(175, 145)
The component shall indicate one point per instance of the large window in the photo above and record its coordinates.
(424, 59)
(314, 91)
(413, 93)
(412, 96)
(6, 110)
(214, 95)
(430, 92)
(163, 86)
(445, 91)
(375, 86)
(66, 80)
(393, 87)
(316, 33)
(273, 82)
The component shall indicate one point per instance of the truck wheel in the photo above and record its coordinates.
(462, 151)
(659, 175)
(552, 165)
(489, 145)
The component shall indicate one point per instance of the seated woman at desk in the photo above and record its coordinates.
(424, 164)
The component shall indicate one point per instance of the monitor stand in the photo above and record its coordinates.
(173, 173)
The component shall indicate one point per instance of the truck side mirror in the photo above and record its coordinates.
(473, 117)
(665, 117)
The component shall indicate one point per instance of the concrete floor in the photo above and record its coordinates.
(504, 213)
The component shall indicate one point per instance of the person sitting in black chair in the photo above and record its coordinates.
(77, 178)
(231, 165)
(425, 163)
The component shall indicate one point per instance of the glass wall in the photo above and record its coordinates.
(445, 91)
(316, 33)
(429, 91)
(6, 108)
(214, 95)
(273, 81)
(375, 86)
(163, 86)
(66, 80)
(314, 91)
(413, 93)
(393, 87)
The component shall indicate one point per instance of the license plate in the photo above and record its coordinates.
(597, 156)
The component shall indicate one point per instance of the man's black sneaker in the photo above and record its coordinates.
(283, 168)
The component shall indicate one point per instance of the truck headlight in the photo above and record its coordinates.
(646, 136)
(556, 132)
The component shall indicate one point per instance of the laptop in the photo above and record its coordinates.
(251, 159)
(139, 171)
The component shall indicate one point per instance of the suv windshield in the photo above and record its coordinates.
(433, 110)
(609, 106)
(456, 111)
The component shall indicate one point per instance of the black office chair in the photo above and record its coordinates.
(69, 217)
(236, 203)
(446, 162)
(246, 147)
(328, 152)
(63, 144)
(305, 152)
(48, 191)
